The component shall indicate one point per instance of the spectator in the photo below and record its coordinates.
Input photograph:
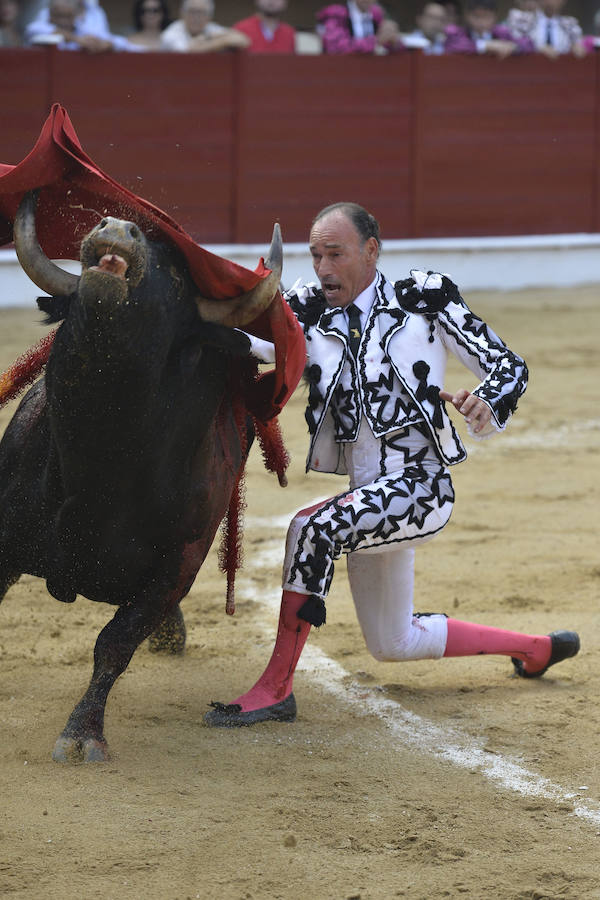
(592, 41)
(430, 33)
(358, 26)
(150, 18)
(482, 34)
(266, 31)
(10, 34)
(552, 35)
(195, 32)
(91, 18)
(82, 24)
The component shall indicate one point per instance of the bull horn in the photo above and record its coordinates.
(240, 310)
(44, 273)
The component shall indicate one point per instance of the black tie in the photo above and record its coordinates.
(549, 40)
(353, 328)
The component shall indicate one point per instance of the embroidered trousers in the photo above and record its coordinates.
(400, 496)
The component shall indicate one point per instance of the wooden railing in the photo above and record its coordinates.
(434, 146)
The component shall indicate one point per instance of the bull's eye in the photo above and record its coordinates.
(134, 232)
(103, 223)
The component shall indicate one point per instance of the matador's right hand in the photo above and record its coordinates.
(476, 412)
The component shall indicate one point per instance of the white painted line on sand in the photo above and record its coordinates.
(409, 729)
(443, 741)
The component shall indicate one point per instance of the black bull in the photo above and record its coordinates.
(119, 465)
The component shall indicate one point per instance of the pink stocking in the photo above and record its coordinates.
(468, 639)
(275, 683)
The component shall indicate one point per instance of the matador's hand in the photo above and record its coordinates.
(476, 412)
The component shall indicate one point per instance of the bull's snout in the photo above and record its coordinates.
(117, 230)
(115, 247)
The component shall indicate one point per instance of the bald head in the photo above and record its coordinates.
(63, 13)
(344, 245)
(366, 224)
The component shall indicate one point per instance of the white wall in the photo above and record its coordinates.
(510, 263)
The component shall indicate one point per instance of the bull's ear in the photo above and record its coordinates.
(55, 308)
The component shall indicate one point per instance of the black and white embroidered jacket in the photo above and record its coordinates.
(416, 323)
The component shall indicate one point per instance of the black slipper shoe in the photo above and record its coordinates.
(230, 715)
(564, 645)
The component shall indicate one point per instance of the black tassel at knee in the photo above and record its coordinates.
(313, 611)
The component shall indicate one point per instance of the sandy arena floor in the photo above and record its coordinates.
(419, 780)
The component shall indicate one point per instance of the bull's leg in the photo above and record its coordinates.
(83, 735)
(169, 637)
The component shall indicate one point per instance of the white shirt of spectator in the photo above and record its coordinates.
(416, 40)
(177, 37)
(362, 23)
(544, 26)
(92, 20)
(482, 41)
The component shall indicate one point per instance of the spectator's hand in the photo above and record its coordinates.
(236, 40)
(91, 44)
(501, 49)
(579, 50)
(476, 412)
(388, 33)
(230, 39)
(549, 52)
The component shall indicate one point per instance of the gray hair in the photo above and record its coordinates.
(210, 6)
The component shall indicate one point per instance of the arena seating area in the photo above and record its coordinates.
(226, 144)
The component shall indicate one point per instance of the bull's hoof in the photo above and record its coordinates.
(95, 751)
(66, 750)
(169, 637)
(71, 750)
(231, 716)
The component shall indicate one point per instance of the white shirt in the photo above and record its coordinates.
(546, 27)
(362, 23)
(417, 40)
(364, 302)
(565, 31)
(265, 351)
(91, 21)
(176, 36)
(482, 40)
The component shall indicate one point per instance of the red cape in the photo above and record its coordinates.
(75, 194)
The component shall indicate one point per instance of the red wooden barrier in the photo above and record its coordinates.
(24, 84)
(506, 147)
(317, 130)
(227, 144)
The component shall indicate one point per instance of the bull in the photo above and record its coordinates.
(119, 464)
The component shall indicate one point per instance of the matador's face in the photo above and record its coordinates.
(344, 263)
